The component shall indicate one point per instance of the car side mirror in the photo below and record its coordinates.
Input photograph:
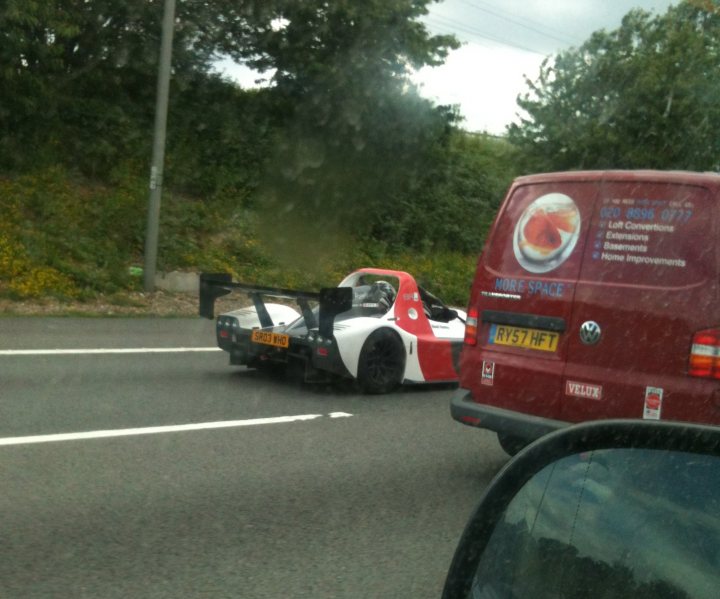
(441, 313)
(603, 509)
(450, 314)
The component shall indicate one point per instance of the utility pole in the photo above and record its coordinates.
(158, 153)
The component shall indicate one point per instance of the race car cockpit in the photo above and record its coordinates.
(378, 296)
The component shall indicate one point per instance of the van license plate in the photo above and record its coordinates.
(501, 334)
(270, 338)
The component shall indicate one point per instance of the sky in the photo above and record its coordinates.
(503, 41)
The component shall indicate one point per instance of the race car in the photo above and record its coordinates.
(378, 327)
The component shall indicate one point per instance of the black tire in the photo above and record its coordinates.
(510, 444)
(381, 367)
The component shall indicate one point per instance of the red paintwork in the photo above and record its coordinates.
(648, 312)
(434, 354)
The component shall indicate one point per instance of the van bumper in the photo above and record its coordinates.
(525, 426)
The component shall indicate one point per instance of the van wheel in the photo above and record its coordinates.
(510, 444)
(381, 366)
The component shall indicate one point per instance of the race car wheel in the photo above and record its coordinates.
(382, 362)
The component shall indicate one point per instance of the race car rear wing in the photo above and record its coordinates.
(333, 300)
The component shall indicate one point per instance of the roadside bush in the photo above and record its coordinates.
(62, 235)
(446, 274)
(20, 278)
(69, 236)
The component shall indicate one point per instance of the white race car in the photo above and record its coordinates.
(378, 326)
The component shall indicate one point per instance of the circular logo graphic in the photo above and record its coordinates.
(546, 233)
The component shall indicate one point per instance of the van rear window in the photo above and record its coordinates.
(653, 234)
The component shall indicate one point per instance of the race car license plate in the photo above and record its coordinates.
(501, 334)
(270, 338)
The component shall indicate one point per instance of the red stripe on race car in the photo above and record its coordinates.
(436, 360)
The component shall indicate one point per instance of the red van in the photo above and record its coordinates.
(596, 296)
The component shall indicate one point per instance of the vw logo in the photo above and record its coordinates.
(590, 332)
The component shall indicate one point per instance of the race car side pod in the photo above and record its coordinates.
(215, 285)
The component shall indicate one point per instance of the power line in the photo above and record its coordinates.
(452, 26)
(527, 24)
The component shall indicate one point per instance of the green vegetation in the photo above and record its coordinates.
(63, 236)
(642, 96)
(339, 163)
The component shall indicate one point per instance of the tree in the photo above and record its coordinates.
(79, 84)
(314, 40)
(341, 139)
(356, 137)
(457, 199)
(642, 96)
(78, 78)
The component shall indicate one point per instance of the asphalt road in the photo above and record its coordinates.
(366, 505)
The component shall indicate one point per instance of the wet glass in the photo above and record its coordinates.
(610, 523)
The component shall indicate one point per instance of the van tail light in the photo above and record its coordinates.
(705, 354)
(471, 327)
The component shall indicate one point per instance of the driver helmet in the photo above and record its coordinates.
(383, 293)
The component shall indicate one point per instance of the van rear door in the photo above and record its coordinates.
(648, 283)
(523, 295)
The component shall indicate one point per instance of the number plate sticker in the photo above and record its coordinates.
(270, 338)
(501, 334)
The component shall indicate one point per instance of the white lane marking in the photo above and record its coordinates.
(339, 415)
(154, 430)
(110, 350)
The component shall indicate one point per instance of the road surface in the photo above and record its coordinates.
(275, 489)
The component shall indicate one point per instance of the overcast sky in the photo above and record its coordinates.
(503, 40)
